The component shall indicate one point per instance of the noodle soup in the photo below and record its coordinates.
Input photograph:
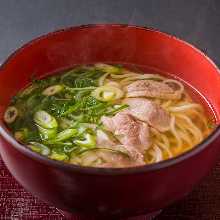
(107, 116)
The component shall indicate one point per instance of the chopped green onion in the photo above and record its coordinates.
(68, 149)
(45, 120)
(66, 134)
(11, 114)
(52, 90)
(80, 89)
(108, 68)
(21, 134)
(47, 133)
(117, 108)
(89, 141)
(107, 93)
(59, 156)
(28, 90)
(39, 148)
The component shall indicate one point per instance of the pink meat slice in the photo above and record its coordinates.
(150, 112)
(133, 134)
(151, 88)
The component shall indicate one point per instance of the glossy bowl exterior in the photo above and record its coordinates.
(97, 191)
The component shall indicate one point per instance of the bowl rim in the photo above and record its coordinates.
(5, 133)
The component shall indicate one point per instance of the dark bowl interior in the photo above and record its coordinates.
(100, 191)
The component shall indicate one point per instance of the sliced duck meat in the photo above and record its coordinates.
(104, 139)
(150, 112)
(152, 89)
(133, 134)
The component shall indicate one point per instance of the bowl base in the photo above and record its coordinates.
(71, 216)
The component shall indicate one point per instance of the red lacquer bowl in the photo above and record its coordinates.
(109, 192)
